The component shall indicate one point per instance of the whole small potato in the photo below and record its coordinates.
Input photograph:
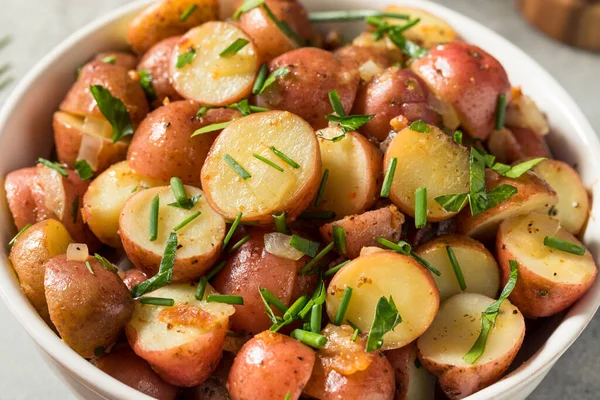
(370, 61)
(19, 196)
(392, 93)
(270, 366)
(162, 146)
(33, 248)
(156, 62)
(89, 310)
(305, 90)
(126, 60)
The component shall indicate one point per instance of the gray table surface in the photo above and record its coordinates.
(38, 25)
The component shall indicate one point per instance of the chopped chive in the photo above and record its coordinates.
(186, 58)
(355, 335)
(188, 204)
(234, 47)
(268, 162)
(237, 167)
(107, 265)
(272, 78)
(295, 308)
(201, 288)
(283, 26)
(565, 246)
(260, 79)
(317, 215)
(419, 126)
(425, 263)
(288, 396)
(54, 166)
(89, 267)
(186, 14)
(421, 207)
(348, 123)
(351, 15)
(500, 111)
(225, 298)
(202, 110)
(456, 267)
(211, 128)
(180, 194)
(389, 178)
(321, 191)
(232, 229)
(306, 246)
(216, 270)
(314, 340)
(109, 59)
(339, 238)
(187, 221)
(285, 158)
(246, 6)
(317, 258)
(239, 243)
(316, 316)
(272, 299)
(157, 301)
(165, 270)
(332, 271)
(408, 47)
(83, 169)
(279, 219)
(146, 83)
(402, 247)
(336, 103)
(458, 137)
(341, 312)
(154, 219)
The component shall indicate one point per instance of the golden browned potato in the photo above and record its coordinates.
(505, 146)
(413, 381)
(166, 18)
(19, 196)
(453, 333)
(365, 229)
(258, 189)
(573, 206)
(183, 343)
(408, 283)
(199, 72)
(429, 32)
(533, 194)
(88, 309)
(33, 248)
(479, 268)
(199, 242)
(426, 159)
(550, 280)
(105, 197)
(522, 112)
(126, 60)
(163, 145)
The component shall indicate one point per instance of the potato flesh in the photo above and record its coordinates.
(523, 112)
(94, 126)
(106, 197)
(421, 384)
(268, 189)
(211, 79)
(386, 274)
(430, 160)
(429, 32)
(153, 334)
(200, 236)
(458, 324)
(524, 237)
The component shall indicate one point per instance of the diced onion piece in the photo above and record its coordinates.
(97, 127)
(77, 252)
(368, 70)
(54, 200)
(89, 149)
(278, 244)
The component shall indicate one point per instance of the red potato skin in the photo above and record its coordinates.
(399, 359)
(125, 60)
(19, 196)
(156, 61)
(125, 366)
(504, 145)
(390, 94)
(133, 277)
(250, 266)
(305, 90)
(469, 79)
(162, 146)
(531, 144)
(270, 366)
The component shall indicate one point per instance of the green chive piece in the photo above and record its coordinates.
(211, 128)
(237, 167)
(225, 298)
(239, 243)
(89, 267)
(306, 246)
(351, 15)
(341, 313)
(201, 288)
(421, 207)
(202, 110)
(389, 178)
(154, 218)
(420, 126)
(355, 335)
(295, 308)
(165, 270)
(107, 265)
(500, 111)
(456, 267)
(246, 6)
(288, 396)
(181, 198)
(285, 158)
(321, 191)
(402, 247)
(279, 219)
(314, 340)
(272, 78)
(316, 316)
(216, 270)
(84, 170)
(234, 47)
(408, 47)
(336, 103)
(260, 79)
(518, 170)
(232, 229)
(332, 271)
(317, 258)
(458, 137)
(157, 301)
(565, 246)
(187, 221)
(146, 83)
(186, 58)
(283, 26)
(55, 166)
(109, 59)
(186, 14)
(268, 162)
(425, 263)
(317, 215)
(272, 299)
(339, 238)
(348, 123)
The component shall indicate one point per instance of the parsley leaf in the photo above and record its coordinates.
(165, 271)
(386, 319)
(84, 170)
(114, 111)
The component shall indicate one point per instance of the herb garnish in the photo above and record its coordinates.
(385, 320)
(84, 170)
(165, 270)
(114, 111)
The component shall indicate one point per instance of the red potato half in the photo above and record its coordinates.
(431, 160)
(267, 190)
(478, 266)
(157, 63)
(429, 32)
(522, 112)
(209, 78)
(550, 280)
(534, 194)
(467, 79)
(182, 343)
(19, 196)
(453, 333)
(413, 381)
(198, 243)
(385, 273)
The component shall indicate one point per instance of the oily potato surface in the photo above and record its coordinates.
(157, 63)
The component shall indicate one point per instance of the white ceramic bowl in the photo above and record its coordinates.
(25, 134)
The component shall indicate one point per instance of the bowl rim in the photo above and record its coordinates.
(578, 316)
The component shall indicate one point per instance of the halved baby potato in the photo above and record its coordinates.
(429, 32)
(534, 194)
(210, 78)
(522, 112)
(478, 266)
(183, 343)
(550, 280)
(385, 274)
(385, 45)
(573, 206)
(267, 189)
(198, 243)
(413, 381)
(106, 196)
(426, 159)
